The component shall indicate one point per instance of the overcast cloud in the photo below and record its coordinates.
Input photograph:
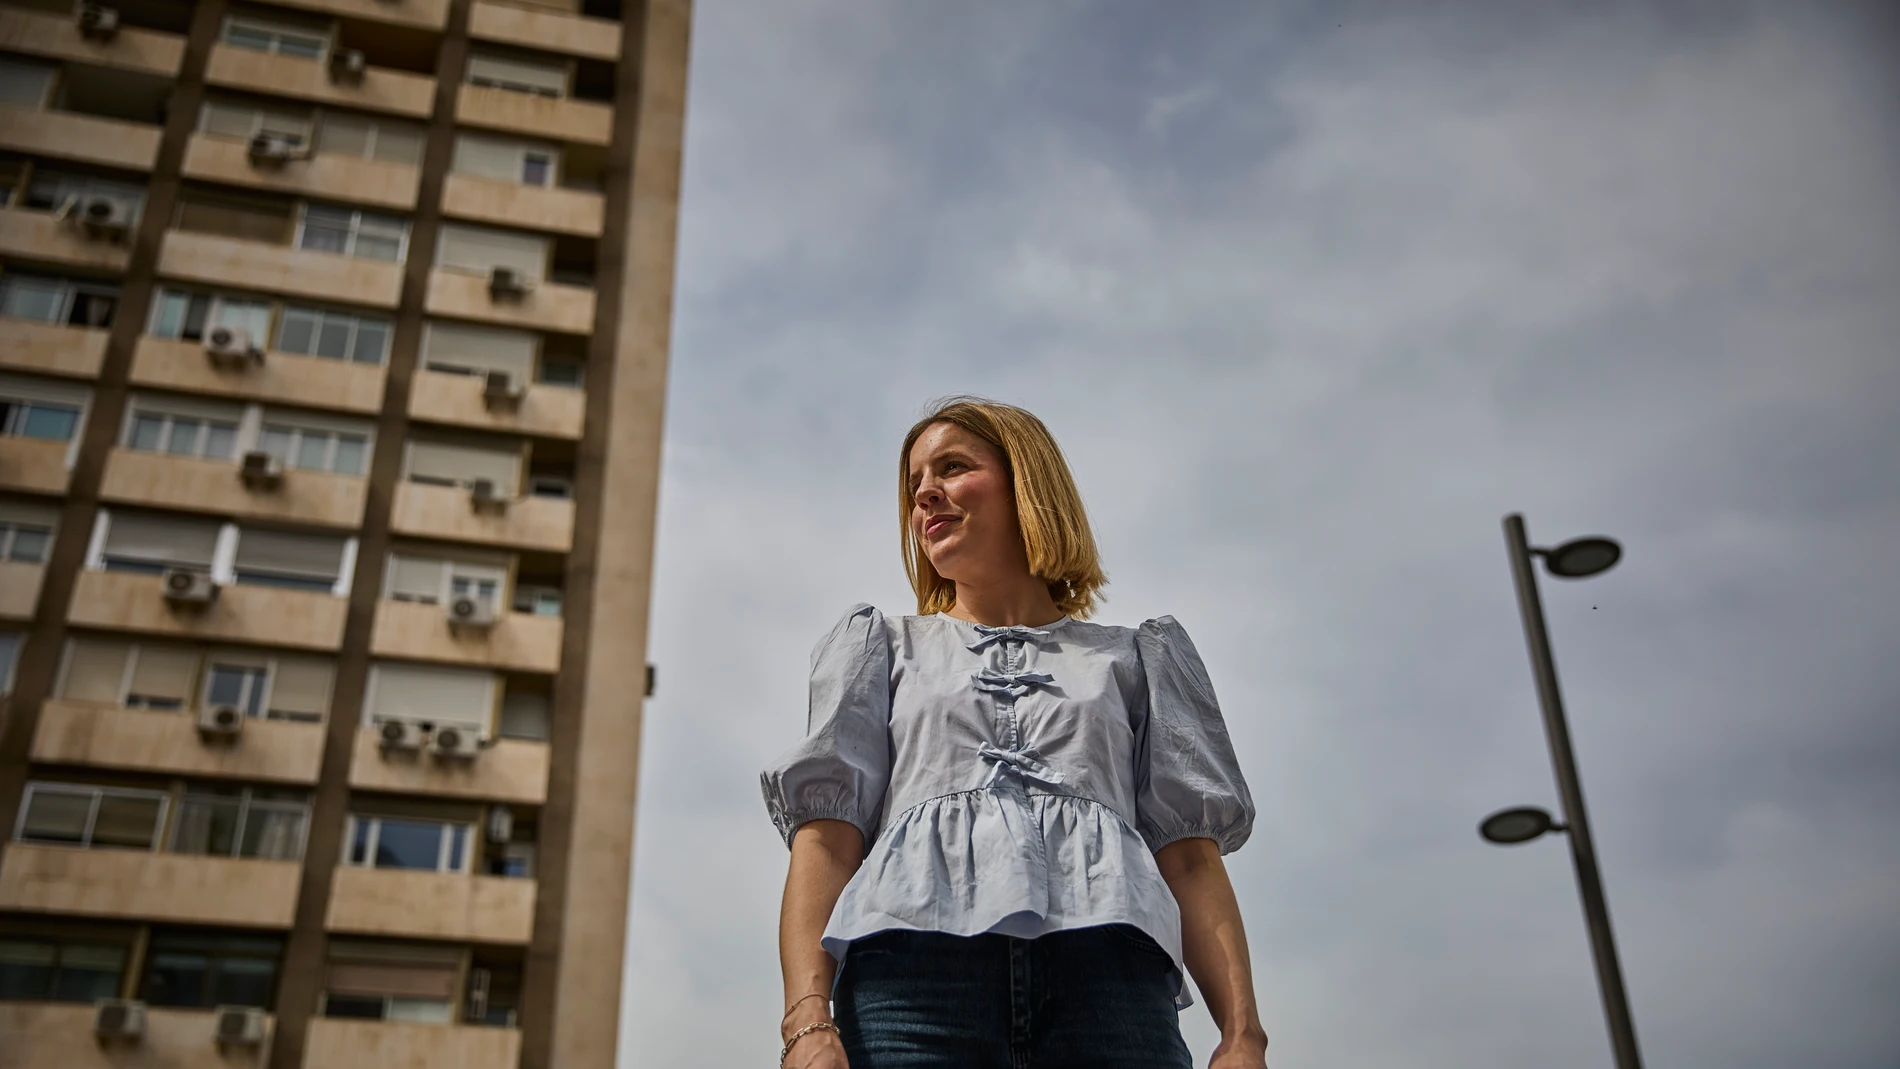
(1313, 294)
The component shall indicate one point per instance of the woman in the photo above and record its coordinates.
(1006, 824)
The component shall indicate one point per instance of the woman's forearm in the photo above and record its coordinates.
(825, 855)
(1213, 942)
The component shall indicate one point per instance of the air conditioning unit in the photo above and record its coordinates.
(100, 217)
(221, 721)
(97, 23)
(189, 588)
(506, 283)
(471, 612)
(272, 150)
(118, 1018)
(485, 496)
(239, 1026)
(232, 347)
(501, 824)
(399, 735)
(500, 389)
(347, 65)
(261, 470)
(456, 742)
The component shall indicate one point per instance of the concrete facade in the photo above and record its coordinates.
(413, 832)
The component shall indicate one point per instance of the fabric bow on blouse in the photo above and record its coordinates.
(986, 635)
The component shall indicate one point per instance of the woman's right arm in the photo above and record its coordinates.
(825, 855)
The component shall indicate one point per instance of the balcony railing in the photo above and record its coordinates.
(257, 265)
(488, 200)
(580, 121)
(553, 31)
(342, 1043)
(460, 401)
(64, 135)
(42, 236)
(139, 884)
(350, 180)
(49, 349)
(258, 615)
(549, 306)
(160, 480)
(515, 641)
(57, 37)
(35, 465)
(286, 378)
(20, 589)
(396, 92)
(510, 770)
(145, 740)
(446, 513)
(431, 905)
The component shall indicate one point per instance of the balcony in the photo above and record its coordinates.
(258, 615)
(161, 480)
(511, 770)
(39, 236)
(341, 1043)
(552, 31)
(256, 265)
(46, 349)
(560, 119)
(456, 400)
(20, 589)
(139, 884)
(57, 37)
(58, 1035)
(559, 211)
(34, 465)
(63, 135)
(444, 512)
(428, 14)
(549, 306)
(517, 641)
(396, 92)
(347, 179)
(107, 736)
(286, 378)
(431, 905)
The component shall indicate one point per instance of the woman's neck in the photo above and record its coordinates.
(1025, 603)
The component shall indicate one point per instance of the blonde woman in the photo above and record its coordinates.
(1006, 823)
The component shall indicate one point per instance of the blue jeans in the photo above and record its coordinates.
(1088, 998)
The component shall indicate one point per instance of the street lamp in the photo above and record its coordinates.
(1576, 559)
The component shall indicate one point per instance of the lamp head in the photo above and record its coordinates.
(1509, 827)
(1581, 558)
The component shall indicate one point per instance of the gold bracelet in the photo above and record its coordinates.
(801, 998)
(815, 1026)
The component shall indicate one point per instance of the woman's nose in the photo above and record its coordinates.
(928, 495)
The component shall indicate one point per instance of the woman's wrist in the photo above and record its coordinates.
(810, 1009)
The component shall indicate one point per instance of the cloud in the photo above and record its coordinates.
(1312, 297)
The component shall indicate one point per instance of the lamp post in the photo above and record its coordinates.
(1577, 559)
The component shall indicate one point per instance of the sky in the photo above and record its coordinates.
(1313, 295)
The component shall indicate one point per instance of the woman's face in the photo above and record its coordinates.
(963, 505)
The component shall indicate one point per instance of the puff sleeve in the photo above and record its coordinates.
(1187, 780)
(842, 767)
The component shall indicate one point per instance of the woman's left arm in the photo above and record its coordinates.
(1214, 946)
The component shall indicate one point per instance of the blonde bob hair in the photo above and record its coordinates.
(1056, 534)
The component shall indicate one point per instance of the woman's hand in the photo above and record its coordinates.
(815, 1050)
(1240, 1052)
(1214, 948)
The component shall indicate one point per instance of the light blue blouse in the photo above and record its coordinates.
(1010, 779)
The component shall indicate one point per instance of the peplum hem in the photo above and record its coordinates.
(1006, 861)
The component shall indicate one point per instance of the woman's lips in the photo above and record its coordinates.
(931, 527)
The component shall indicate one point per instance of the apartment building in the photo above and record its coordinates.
(333, 340)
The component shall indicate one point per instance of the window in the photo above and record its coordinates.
(290, 560)
(229, 216)
(10, 643)
(162, 676)
(370, 138)
(506, 159)
(26, 543)
(391, 981)
(282, 687)
(406, 843)
(153, 542)
(283, 39)
(551, 486)
(352, 233)
(241, 822)
(51, 970)
(524, 716)
(59, 301)
(49, 421)
(426, 694)
(182, 428)
(494, 994)
(202, 970)
(176, 314)
(537, 600)
(239, 686)
(561, 371)
(520, 74)
(74, 814)
(24, 84)
(479, 250)
(243, 120)
(335, 335)
(450, 464)
(537, 169)
(53, 191)
(428, 580)
(316, 449)
(471, 350)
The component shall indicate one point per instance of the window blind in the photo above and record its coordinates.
(416, 578)
(164, 539)
(24, 84)
(463, 464)
(377, 139)
(394, 970)
(95, 669)
(478, 249)
(525, 716)
(28, 512)
(63, 393)
(165, 672)
(511, 72)
(192, 407)
(497, 157)
(302, 686)
(227, 118)
(293, 554)
(437, 695)
(480, 349)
